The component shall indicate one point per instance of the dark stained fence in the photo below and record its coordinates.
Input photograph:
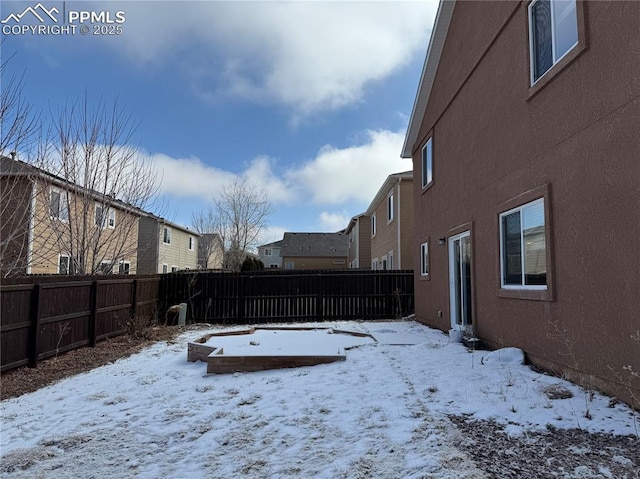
(42, 317)
(290, 296)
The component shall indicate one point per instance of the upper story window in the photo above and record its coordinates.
(390, 207)
(105, 220)
(373, 224)
(124, 267)
(64, 264)
(166, 235)
(190, 243)
(427, 163)
(58, 205)
(267, 251)
(523, 247)
(553, 31)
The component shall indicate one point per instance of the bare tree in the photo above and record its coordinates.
(209, 243)
(238, 216)
(105, 186)
(23, 135)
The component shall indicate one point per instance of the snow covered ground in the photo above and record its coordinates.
(384, 413)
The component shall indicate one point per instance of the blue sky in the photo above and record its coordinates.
(308, 99)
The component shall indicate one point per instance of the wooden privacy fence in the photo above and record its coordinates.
(45, 316)
(287, 296)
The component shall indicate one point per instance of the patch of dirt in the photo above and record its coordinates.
(17, 382)
(555, 453)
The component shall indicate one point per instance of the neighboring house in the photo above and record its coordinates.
(526, 150)
(165, 247)
(314, 250)
(391, 218)
(269, 254)
(52, 226)
(210, 252)
(359, 234)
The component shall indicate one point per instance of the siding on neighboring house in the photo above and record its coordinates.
(314, 250)
(359, 233)
(566, 147)
(172, 255)
(274, 259)
(392, 241)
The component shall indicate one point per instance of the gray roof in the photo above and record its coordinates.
(316, 245)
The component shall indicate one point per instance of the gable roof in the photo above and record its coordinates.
(314, 245)
(384, 189)
(434, 52)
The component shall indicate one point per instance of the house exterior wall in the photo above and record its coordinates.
(571, 139)
(360, 243)
(306, 262)
(274, 260)
(396, 236)
(148, 240)
(51, 238)
(177, 254)
(14, 224)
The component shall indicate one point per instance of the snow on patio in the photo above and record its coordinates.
(381, 413)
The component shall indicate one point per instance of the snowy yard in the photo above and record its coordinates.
(388, 411)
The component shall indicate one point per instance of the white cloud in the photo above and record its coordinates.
(308, 56)
(334, 221)
(353, 173)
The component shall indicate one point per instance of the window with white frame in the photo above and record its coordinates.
(58, 204)
(390, 256)
(124, 267)
(105, 267)
(165, 268)
(427, 163)
(373, 224)
(105, 217)
(166, 235)
(383, 263)
(64, 264)
(111, 218)
(390, 207)
(174, 269)
(289, 265)
(190, 243)
(523, 251)
(424, 259)
(553, 31)
(267, 251)
(374, 264)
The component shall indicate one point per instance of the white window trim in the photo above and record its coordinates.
(165, 268)
(63, 204)
(267, 251)
(374, 264)
(428, 146)
(390, 207)
(374, 225)
(111, 216)
(424, 259)
(390, 256)
(531, 287)
(107, 262)
(191, 243)
(164, 236)
(553, 43)
(124, 263)
(60, 256)
(174, 269)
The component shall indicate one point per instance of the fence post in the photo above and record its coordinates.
(94, 313)
(35, 326)
(134, 299)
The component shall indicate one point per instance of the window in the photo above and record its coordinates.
(64, 264)
(165, 268)
(166, 236)
(523, 250)
(289, 265)
(59, 205)
(390, 207)
(427, 163)
(105, 267)
(374, 264)
(174, 269)
(124, 267)
(111, 222)
(274, 265)
(190, 243)
(384, 263)
(390, 255)
(424, 259)
(99, 220)
(267, 251)
(553, 31)
(373, 224)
